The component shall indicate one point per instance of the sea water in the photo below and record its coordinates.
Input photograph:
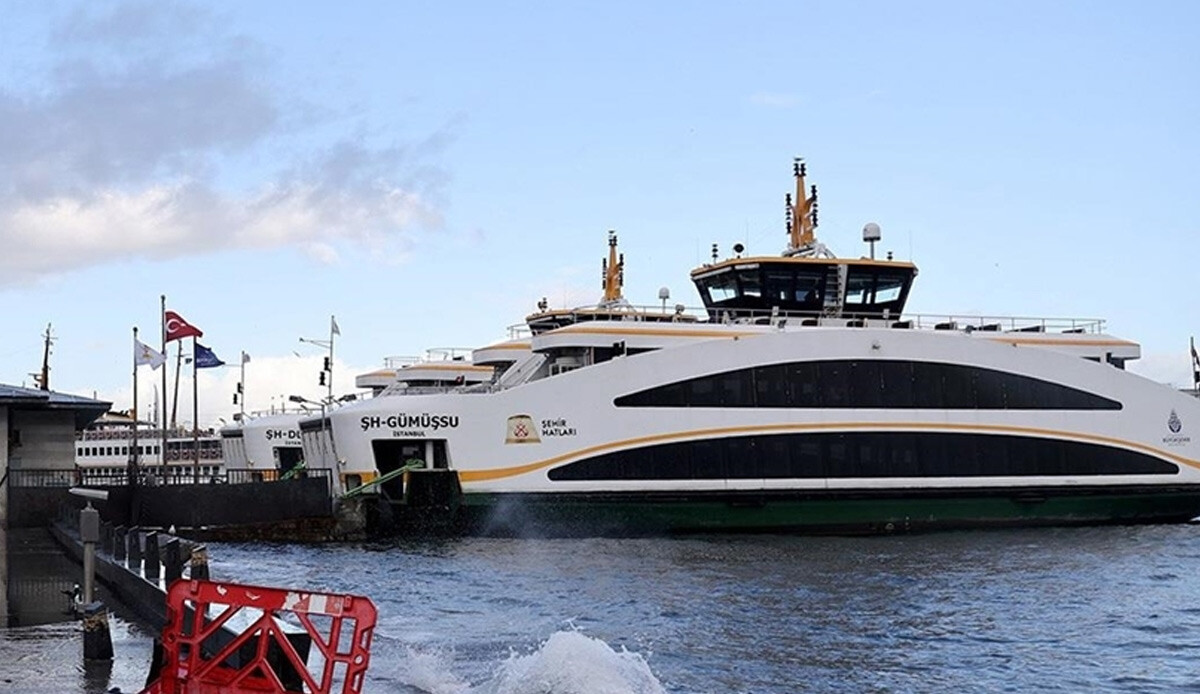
(1107, 609)
(1072, 610)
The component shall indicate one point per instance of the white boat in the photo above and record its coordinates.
(104, 451)
(804, 399)
(266, 445)
(441, 368)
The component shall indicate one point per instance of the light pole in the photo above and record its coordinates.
(326, 378)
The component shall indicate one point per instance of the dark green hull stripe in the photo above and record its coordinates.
(825, 511)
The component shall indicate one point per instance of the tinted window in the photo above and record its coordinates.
(859, 455)
(869, 383)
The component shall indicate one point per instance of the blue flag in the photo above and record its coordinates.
(205, 358)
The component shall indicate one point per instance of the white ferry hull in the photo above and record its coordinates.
(560, 448)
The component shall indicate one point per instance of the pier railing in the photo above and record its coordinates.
(42, 478)
(150, 477)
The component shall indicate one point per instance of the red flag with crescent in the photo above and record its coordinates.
(178, 328)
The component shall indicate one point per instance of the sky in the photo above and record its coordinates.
(426, 172)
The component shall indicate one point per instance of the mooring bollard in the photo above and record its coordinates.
(89, 533)
(172, 561)
(135, 550)
(119, 546)
(151, 560)
(199, 563)
(97, 641)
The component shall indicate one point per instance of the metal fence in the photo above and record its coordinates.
(150, 477)
(43, 478)
(249, 475)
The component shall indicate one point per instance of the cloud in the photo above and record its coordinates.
(127, 149)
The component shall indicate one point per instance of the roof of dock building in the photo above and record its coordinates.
(86, 410)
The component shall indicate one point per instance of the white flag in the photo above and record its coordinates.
(145, 354)
(333, 329)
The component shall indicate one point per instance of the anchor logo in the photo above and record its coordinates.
(1174, 423)
(521, 429)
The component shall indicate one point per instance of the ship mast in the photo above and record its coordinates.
(613, 270)
(801, 217)
(43, 378)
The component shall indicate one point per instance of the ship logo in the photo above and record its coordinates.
(1174, 423)
(521, 429)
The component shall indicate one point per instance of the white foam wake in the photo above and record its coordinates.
(567, 663)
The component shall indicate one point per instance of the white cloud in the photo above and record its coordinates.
(162, 221)
(120, 154)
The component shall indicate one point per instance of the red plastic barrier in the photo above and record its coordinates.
(211, 658)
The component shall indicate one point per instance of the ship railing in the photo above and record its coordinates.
(964, 322)
(1012, 324)
(622, 312)
(399, 361)
(436, 355)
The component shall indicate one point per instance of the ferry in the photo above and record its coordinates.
(438, 369)
(803, 398)
(266, 444)
(104, 451)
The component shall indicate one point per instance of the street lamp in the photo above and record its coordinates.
(326, 377)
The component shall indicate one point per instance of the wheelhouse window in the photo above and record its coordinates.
(871, 290)
(721, 288)
(804, 287)
(794, 288)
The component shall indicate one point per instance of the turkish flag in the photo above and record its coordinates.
(178, 328)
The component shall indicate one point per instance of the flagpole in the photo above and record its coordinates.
(242, 395)
(133, 463)
(195, 416)
(332, 332)
(175, 390)
(163, 452)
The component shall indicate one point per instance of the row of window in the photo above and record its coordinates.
(869, 383)
(174, 448)
(93, 451)
(863, 454)
(120, 471)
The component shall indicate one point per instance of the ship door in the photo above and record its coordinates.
(393, 454)
(289, 458)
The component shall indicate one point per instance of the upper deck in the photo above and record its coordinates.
(859, 288)
(807, 277)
